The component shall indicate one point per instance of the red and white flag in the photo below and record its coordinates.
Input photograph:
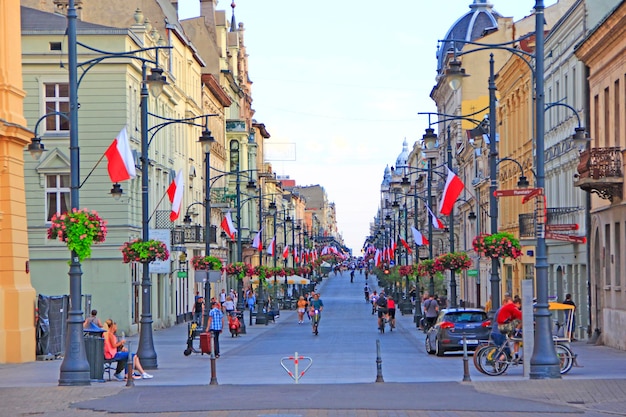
(296, 258)
(406, 245)
(121, 162)
(286, 252)
(271, 249)
(175, 193)
(418, 237)
(228, 226)
(257, 243)
(451, 192)
(437, 224)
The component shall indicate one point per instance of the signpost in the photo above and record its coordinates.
(562, 227)
(566, 238)
(521, 192)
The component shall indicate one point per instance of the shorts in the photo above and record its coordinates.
(392, 313)
(301, 310)
(509, 328)
(382, 311)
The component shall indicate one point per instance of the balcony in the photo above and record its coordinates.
(192, 234)
(600, 172)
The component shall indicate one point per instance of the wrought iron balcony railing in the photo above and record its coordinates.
(600, 172)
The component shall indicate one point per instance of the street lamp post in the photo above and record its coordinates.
(544, 363)
(207, 140)
(430, 150)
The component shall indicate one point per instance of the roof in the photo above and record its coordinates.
(36, 21)
(469, 27)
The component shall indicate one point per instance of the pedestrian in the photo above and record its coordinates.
(198, 310)
(302, 303)
(92, 320)
(223, 296)
(234, 296)
(568, 300)
(431, 310)
(215, 326)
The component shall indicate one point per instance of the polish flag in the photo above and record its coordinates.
(286, 252)
(228, 226)
(406, 245)
(175, 193)
(295, 255)
(271, 249)
(418, 237)
(257, 243)
(437, 224)
(121, 162)
(451, 192)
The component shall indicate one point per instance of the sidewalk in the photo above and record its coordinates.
(340, 382)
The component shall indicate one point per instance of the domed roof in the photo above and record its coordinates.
(403, 159)
(469, 27)
(386, 178)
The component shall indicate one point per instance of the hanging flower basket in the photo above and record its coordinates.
(428, 268)
(79, 229)
(498, 245)
(455, 261)
(144, 252)
(406, 270)
(237, 269)
(204, 263)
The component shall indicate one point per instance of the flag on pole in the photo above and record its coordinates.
(271, 249)
(121, 165)
(451, 192)
(286, 252)
(406, 245)
(437, 224)
(228, 226)
(296, 258)
(418, 237)
(257, 243)
(175, 194)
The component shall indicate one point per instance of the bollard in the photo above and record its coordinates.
(213, 368)
(130, 380)
(466, 375)
(379, 363)
(296, 374)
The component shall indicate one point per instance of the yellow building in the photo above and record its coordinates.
(17, 296)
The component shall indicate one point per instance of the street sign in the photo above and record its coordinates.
(472, 272)
(534, 192)
(566, 238)
(562, 227)
(517, 192)
(182, 274)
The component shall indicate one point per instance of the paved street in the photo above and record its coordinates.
(340, 382)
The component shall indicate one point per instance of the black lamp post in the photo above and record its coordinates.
(74, 369)
(207, 140)
(544, 363)
(430, 151)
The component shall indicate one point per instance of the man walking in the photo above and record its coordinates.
(216, 324)
(431, 310)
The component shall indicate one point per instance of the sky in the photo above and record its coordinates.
(344, 80)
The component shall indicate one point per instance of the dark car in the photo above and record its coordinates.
(454, 323)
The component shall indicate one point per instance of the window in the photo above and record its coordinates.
(57, 194)
(57, 100)
(234, 156)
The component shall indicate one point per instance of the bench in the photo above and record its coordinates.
(110, 365)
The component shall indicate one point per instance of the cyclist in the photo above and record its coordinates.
(509, 320)
(373, 299)
(317, 306)
(381, 303)
(391, 312)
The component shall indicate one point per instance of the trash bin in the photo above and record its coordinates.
(94, 350)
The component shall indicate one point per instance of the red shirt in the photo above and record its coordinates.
(508, 312)
(391, 303)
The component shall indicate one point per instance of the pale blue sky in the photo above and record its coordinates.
(344, 81)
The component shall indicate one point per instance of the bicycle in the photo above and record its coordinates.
(315, 321)
(494, 360)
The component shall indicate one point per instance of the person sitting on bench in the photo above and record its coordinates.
(115, 350)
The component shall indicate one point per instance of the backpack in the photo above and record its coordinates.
(382, 302)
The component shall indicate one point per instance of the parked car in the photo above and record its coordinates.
(454, 323)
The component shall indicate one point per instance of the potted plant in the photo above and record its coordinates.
(455, 261)
(144, 251)
(207, 267)
(497, 245)
(79, 229)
